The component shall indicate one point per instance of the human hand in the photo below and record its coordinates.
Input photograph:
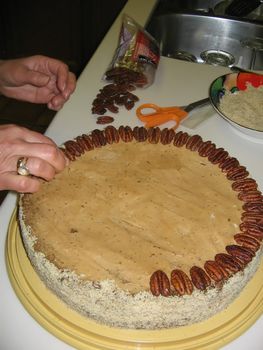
(45, 159)
(37, 79)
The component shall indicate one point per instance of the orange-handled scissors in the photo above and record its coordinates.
(160, 115)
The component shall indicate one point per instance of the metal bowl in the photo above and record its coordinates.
(232, 83)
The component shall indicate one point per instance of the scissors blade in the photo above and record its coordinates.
(196, 104)
(195, 119)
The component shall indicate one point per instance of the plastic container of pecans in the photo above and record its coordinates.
(136, 58)
(133, 66)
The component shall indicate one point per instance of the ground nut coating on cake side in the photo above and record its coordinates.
(145, 229)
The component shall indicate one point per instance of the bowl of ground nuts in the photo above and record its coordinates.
(238, 98)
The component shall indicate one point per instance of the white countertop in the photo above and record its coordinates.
(176, 83)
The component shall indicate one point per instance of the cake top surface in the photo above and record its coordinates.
(124, 210)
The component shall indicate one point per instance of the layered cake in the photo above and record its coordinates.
(145, 229)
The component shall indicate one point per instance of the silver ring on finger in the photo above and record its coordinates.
(22, 168)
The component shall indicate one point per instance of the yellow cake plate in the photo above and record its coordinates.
(82, 333)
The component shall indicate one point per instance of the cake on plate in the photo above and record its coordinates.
(145, 229)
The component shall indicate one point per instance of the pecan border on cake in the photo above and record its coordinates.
(248, 240)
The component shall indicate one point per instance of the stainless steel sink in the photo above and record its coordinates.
(214, 7)
(202, 38)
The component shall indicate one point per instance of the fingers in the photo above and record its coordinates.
(40, 154)
(39, 168)
(55, 68)
(65, 83)
(62, 72)
(21, 184)
(70, 86)
(35, 78)
(43, 158)
(57, 102)
(18, 142)
(39, 79)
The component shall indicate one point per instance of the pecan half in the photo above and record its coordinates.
(215, 271)
(228, 262)
(74, 148)
(129, 105)
(199, 278)
(112, 108)
(181, 282)
(98, 100)
(68, 154)
(218, 156)
(167, 136)
(81, 142)
(250, 196)
(126, 133)
(132, 97)
(228, 164)
(140, 133)
(88, 142)
(181, 138)
(98, 138)
(99, 109)
(160, 284)
(109, 90)
(237, 173)
(154, 135)
(242, 185)
(247, 241)
(194, 142)
(256, 207)
(111, 134)
(254, 230)
(242, 253)
(120, 100)
(252, 217)
(106, 119)
(206, 148)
